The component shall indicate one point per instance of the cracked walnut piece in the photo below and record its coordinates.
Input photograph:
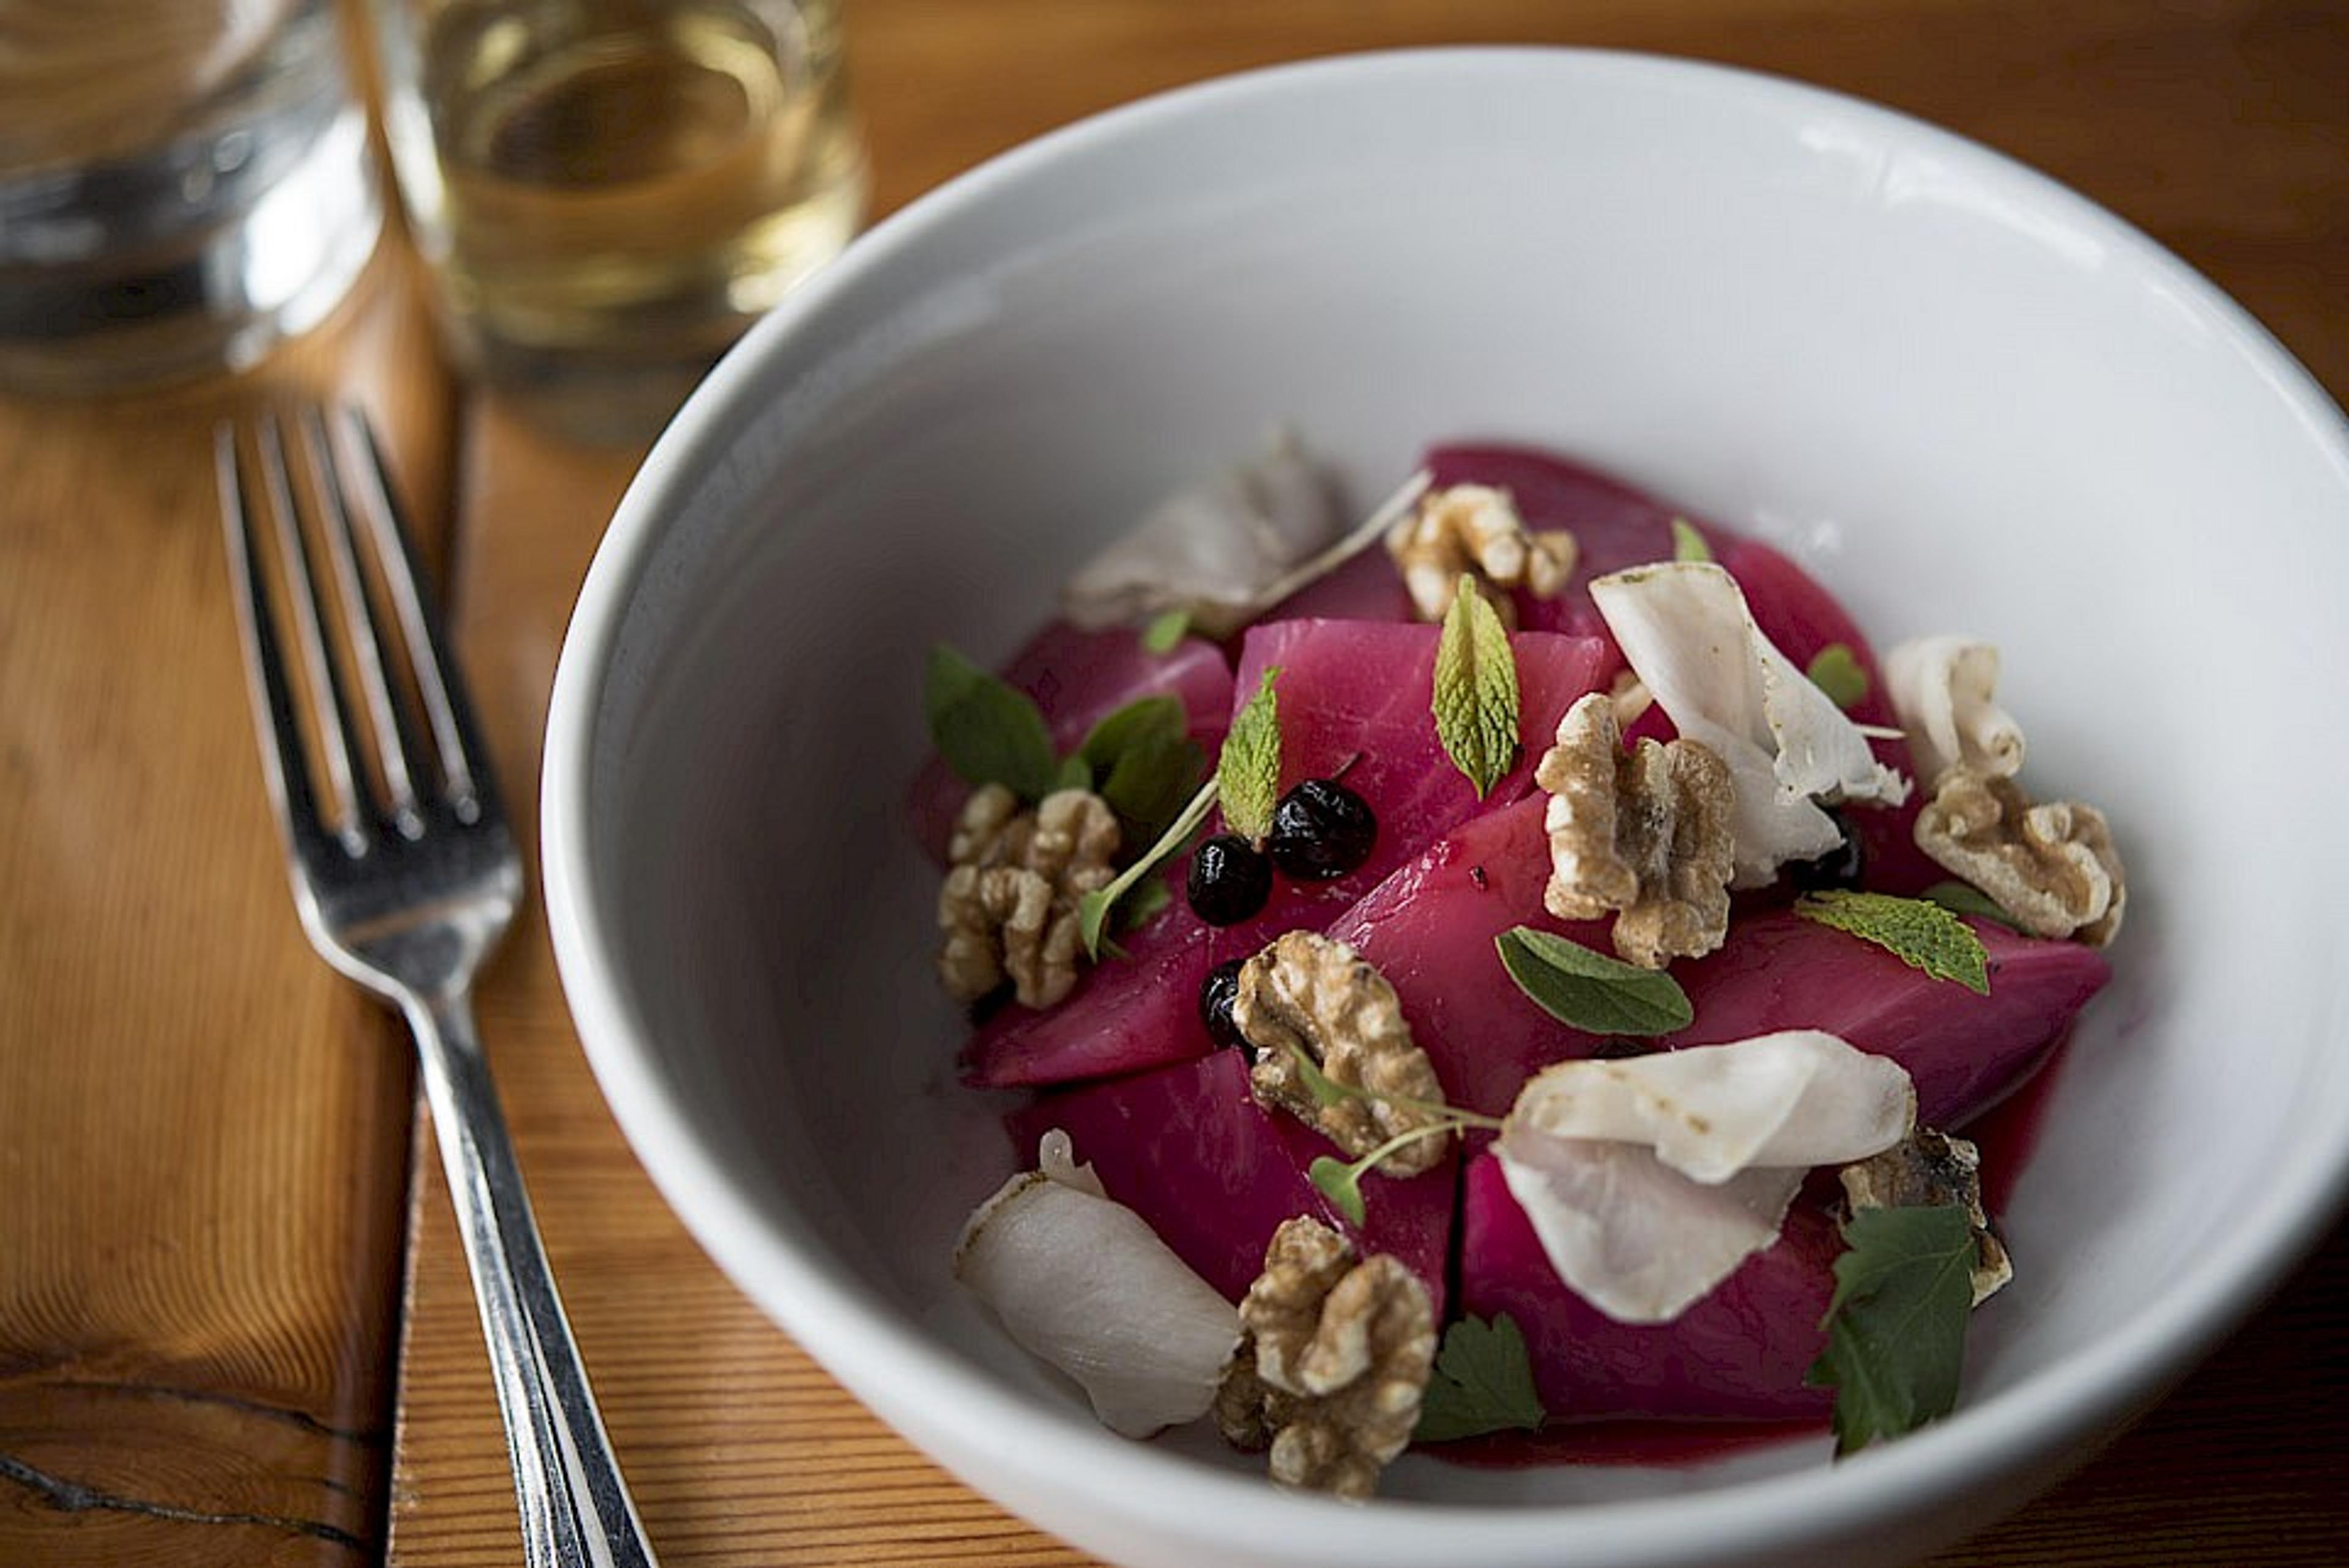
(1008, 907)
(1929, 1169)
(1334, 1364)
(1648, 833)
(1475, 529)
(2052, 867)
(1308, 994)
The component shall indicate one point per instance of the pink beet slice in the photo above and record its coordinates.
(1430, 928)
(1354, 697)
(1077, 678)
(1739, 1354)
(1188, 1149)
(1779, 971)
(1353, 690)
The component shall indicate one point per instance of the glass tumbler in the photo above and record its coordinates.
(183, 184)
(609, 191)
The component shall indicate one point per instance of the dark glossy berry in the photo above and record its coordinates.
(1217, 994)
(1842, 866)
(1230, 880)
(1321, 830)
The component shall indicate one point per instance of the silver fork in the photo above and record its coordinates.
(405, 876)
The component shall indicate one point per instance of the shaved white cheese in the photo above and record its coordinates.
(1634, 1238)
(1945, 690)
(1648, 1181)
(1213, 549)
(1085, 1285)
(1687, 633)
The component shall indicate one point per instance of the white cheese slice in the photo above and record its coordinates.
(1648, 1181)
(1945, 690)
(1687, 633)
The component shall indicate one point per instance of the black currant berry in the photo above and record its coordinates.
(1217, 994)
(1321, 830)
(1229, 880)
(1842, 866)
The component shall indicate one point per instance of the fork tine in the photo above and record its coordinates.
(329, 702)
(274, 706)
(394, 742)
(464, 760)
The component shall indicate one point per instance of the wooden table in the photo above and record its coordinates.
(234, 1326)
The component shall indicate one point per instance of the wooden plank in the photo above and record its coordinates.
(203, 1132)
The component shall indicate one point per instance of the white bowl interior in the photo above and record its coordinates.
(1965, 398)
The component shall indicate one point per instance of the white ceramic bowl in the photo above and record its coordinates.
(1966, 398)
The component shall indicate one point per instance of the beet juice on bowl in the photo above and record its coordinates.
(1519, 969)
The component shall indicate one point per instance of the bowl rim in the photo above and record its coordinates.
(948, 1405)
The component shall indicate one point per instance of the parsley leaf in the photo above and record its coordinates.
(1919, 932)
(1476, 689)
(1836, 671)
(1483, 1382)
(1590, 990)
(1897, 1325)
(989, 731)
(1248, 774)
(1688, 544)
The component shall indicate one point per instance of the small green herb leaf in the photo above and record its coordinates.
(1075, 773)
(1964, 898)
(1093, 909)
(1590, 990)
(1475, 698)
(1164, 631)
(1919, 932)
(1688, 544)
(1483, 1382)
(1145, 764)
(1248, 774)
(1341, 1183)
(1836, 670)
(1897, 1325)
(988, 732)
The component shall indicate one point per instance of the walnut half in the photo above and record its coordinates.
(1334, 1364)
(1306, 992)
(2052, 867)
(1648, 833)
(1475, 530)
(1008, 907)
(1928, 1169)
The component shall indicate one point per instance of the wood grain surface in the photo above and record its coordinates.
(204, 1135)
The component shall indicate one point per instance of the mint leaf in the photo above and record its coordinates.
(1475, 697)
(1145, 764)
(1836, 670)
(1483, 1382)
(1341, 1183)
(1075, 774)
(1964, 898)
(1164, 631)
(1897, 1325)
(1919, 932)
(1688, 544)
(1248, 774)
(1590, 990)
(987, 731)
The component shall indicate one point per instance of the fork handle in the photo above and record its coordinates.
(576, 1509)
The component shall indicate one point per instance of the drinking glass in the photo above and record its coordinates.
(608, 192)
(183, 184)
